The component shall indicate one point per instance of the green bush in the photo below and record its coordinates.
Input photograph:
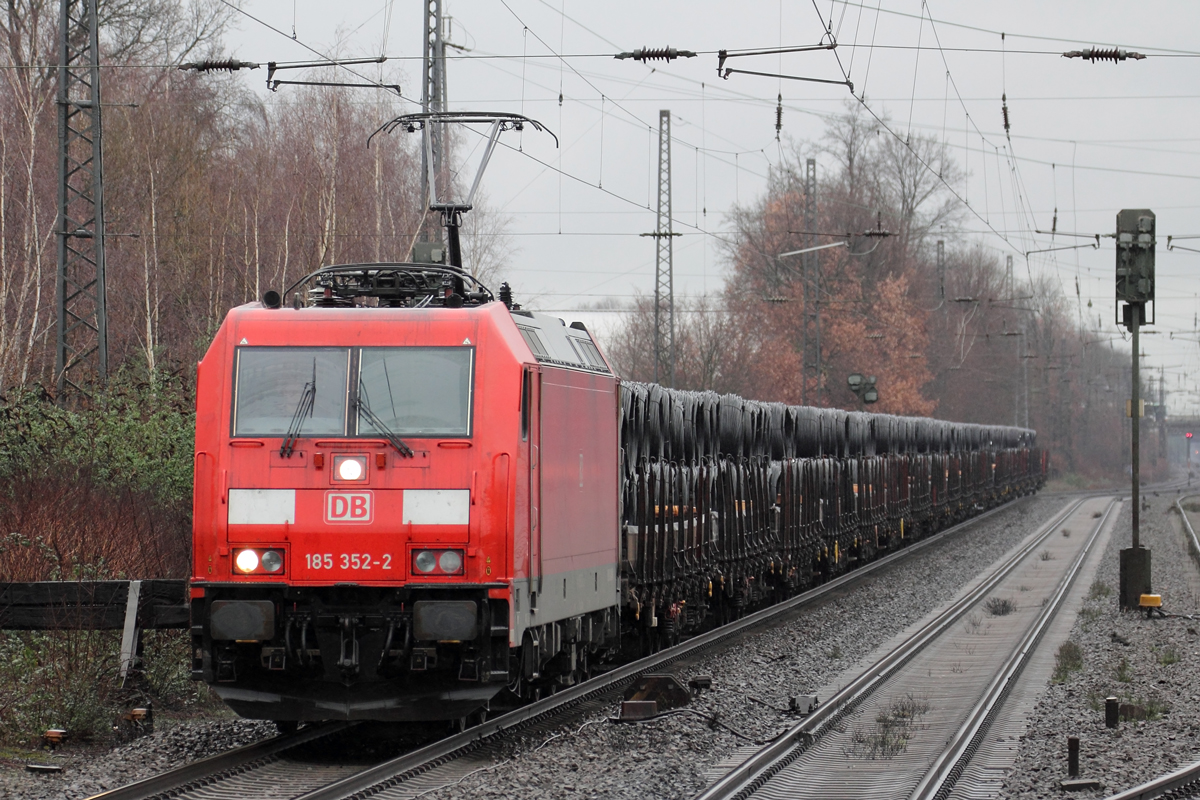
(135, 435)
(94, 492)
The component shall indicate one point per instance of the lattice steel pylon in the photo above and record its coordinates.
(664, 274)
(81, 362)
(433, 100)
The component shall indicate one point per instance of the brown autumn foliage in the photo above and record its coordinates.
(990, 348)
(213, 195)
(68, 527)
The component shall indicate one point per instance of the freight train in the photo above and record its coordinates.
(414, 500)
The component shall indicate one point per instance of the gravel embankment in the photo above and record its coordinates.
(1152, 664)
(668, 758)
(87, 772)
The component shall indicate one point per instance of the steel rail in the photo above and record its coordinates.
(946, 769)
(401, 768)
(1187, 525)
(214, 768)
(751, 774)
(1180, 781)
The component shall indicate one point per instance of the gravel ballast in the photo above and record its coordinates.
(1151, 664)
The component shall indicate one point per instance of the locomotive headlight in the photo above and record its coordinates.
(450, 561)
(272, 561)
(246, 561)
(438, 562)
(350, 468)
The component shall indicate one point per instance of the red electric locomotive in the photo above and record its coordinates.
(399, 482)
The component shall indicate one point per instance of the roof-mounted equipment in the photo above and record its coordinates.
(392, 285)
(451, 212)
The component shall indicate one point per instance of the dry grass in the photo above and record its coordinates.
(1068, 659)
(892, 730)
(999, 606)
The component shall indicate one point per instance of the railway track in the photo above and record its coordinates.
(910, 724)
(195, 778)
(271, 769)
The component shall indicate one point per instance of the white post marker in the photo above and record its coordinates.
(129, 634)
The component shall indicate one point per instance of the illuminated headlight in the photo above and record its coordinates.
(438, 562)
(450, 561)
(246, 561)
(272, 561)
(257, 562)
(350, 468)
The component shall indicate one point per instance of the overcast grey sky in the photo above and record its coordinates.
(1086, 138)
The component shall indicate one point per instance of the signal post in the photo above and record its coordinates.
(1135, 288)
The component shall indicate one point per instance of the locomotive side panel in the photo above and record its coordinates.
(579, 413)
(209, 464)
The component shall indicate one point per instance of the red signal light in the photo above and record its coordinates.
(1188, 434)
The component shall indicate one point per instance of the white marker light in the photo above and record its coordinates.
(425, 561)
(272, 561)
(350, 469)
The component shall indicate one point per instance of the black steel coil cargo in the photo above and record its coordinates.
(661, 424)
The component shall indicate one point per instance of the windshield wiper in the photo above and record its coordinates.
(304, 409)
(365, 410)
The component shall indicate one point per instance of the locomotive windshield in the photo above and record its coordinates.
(416, 391)
(271, 382)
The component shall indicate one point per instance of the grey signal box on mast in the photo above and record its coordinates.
(1135, 256)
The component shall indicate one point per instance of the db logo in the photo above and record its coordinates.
(348, 507)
